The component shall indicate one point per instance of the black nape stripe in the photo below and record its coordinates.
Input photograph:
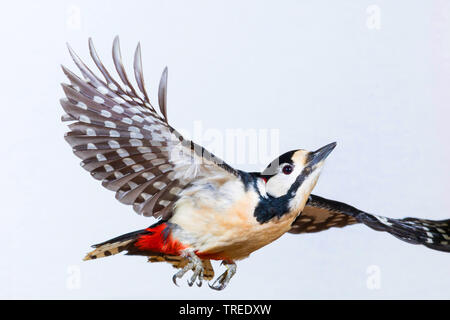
(248, 178)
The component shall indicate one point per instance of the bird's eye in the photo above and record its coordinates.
(287, 169)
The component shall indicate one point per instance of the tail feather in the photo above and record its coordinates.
(108, 249)
(153, 242)
(115, 245)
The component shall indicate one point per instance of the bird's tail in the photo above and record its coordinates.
(115, 245)
(154, 242)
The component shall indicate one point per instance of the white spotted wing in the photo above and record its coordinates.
(124, 142)
(321, 214)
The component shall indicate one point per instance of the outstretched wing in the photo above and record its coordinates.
(124, 142)
(321, 214)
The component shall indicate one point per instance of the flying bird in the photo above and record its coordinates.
(206, 209)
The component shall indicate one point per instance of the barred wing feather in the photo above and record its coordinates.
(321, 214)
(124, 142)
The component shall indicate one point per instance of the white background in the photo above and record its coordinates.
(312, 69)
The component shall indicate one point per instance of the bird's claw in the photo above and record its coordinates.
(194, 264)
(198, 275)
(220, 285)
(174, 279)
(222, 281)
(200, 279)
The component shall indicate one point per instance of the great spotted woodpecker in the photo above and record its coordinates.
(207, 209)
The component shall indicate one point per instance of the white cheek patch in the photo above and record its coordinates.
(277, 186)
(280, 183)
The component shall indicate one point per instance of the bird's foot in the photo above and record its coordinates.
(195, 264)
(222, 281)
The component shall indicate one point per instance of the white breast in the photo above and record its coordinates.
(217, 215)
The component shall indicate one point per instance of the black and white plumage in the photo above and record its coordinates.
(321, 214)
(207, 209)
(124, 142)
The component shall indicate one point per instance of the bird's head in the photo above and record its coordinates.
(294, 174)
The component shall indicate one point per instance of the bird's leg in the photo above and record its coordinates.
(222, 281)
(195, 264)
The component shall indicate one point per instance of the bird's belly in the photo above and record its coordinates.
(228, 232)
(240, 241)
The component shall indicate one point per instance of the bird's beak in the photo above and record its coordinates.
(319, 155)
